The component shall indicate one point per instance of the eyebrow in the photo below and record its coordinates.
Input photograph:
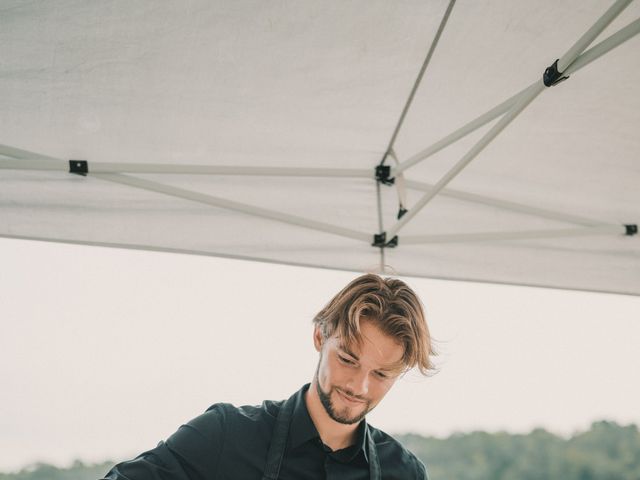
(346, 350)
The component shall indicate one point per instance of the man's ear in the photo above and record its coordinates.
(317, 338)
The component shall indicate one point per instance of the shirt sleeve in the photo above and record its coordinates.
(421, 471)
(191, 453)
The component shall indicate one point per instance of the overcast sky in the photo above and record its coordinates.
(104, 352)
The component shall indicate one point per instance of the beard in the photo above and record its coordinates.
(340, 416)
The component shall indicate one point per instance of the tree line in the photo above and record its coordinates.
(607, 451)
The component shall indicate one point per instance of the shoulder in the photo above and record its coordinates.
(221, 419)
(396, 461)
(246, 421)
(224, 430)
(227, 412)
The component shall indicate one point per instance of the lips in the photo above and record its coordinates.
(348, 399)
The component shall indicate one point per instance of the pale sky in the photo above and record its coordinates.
(104, 352)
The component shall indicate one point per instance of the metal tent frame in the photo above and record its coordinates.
(575, 58)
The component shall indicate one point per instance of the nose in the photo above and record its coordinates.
(359, 383)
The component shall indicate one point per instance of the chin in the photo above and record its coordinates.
(346, 412)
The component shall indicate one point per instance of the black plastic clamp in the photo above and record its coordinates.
(552, 76)
(79, 167)
(631, 229)
(383, 174)
(401, 212)
(380, 240)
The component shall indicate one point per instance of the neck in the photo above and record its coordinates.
(333, 434)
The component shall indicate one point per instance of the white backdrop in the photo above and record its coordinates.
(104, 352)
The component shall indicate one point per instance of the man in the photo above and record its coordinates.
(367, 336)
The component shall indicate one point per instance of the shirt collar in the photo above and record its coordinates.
(302, 428)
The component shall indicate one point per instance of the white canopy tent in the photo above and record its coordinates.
(415, 138)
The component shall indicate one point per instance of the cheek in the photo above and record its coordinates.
(324, 370)
(333, 372)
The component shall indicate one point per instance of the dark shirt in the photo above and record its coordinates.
(227, 443)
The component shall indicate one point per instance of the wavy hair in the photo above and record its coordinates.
(392, 306)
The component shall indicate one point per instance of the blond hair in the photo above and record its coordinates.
(391, 305)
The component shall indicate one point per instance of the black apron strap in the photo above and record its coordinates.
(279, 440)
(279, 444)
(372, 453)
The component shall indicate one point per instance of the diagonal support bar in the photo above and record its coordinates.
(581, 61)
(463, 131)
(231, 205)
(604, 46)
(508, 205)
(470, 155)
(531, 93)
(519, 235)
(425, 64)
(590, 35)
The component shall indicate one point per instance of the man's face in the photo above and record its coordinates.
(351, 381)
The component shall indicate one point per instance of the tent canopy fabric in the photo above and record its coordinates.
(252, 129)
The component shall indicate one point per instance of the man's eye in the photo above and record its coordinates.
(381, 375)
(346, 360)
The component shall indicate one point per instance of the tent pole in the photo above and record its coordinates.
(587, 57)
(231, 205)
(532, 92)
(605, 46)
(590, 35)
(18, 153)
(507, 205)
(52, 164)
(230, 170)
(380, 225)
(520, 235)
(463, 131)
(416, 84)
(470, 155)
